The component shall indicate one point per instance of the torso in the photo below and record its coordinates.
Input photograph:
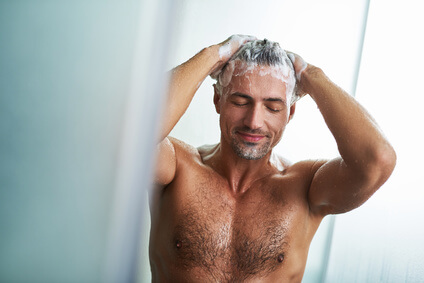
(202, 232)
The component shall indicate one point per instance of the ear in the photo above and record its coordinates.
(292, 110)
(216, 99)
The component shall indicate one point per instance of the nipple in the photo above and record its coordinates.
(280, 258)
(178, 244)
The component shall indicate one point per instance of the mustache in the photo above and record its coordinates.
(248, 130)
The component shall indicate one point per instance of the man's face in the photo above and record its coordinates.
(254, 111)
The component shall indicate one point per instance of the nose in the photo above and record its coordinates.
(254, 118)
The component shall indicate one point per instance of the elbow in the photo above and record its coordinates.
(387, 160)
(381, 166)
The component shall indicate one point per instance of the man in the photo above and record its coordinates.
(235, 212)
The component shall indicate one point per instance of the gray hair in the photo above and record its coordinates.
(261, 53)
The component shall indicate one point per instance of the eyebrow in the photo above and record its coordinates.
(272, 99)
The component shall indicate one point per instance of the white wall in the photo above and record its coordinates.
(382, 241)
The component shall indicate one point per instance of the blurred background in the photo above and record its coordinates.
(81, 89)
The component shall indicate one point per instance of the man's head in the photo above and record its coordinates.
(255, 97)
(261, 53)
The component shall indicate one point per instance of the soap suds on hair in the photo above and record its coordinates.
(265, 55)
(225, 51)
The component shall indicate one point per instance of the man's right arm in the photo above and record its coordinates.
(184, 82)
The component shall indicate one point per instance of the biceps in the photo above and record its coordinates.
(165, 162)
(337, 189)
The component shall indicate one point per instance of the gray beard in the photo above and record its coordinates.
(250, 151)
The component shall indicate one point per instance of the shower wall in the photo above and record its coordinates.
(382, 241)
(65, 68)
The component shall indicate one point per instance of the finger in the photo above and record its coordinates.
(298, 63)
(291, 56)
(232, 44)
(241, 39)
(214, 75)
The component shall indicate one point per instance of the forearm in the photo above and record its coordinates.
(360, 142)
(184, 82)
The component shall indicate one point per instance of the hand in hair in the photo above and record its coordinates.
(227, 49)
(300, 66)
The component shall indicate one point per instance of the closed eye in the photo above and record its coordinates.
(239, 99)
(239, 104)
(274, 110)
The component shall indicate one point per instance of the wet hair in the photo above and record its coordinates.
(259, 53)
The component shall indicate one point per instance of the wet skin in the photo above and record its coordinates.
(254, 111)
(233, 212)
(227, 218)
(202, 231)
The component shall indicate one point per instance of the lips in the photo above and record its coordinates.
(250, 137)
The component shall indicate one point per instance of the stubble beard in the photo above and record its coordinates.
(250, 150)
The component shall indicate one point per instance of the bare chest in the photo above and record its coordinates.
(232, 238)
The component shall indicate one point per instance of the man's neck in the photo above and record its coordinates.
(240, 173)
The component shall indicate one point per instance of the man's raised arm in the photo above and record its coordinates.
(183, 83)
(187, 77)
(367, 159)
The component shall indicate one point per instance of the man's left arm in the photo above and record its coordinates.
(366, 157)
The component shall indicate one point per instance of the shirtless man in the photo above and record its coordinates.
(235, 212)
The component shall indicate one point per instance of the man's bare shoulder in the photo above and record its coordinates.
(304, 167)
(185, 152)
(183, 149)
(295, 178)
